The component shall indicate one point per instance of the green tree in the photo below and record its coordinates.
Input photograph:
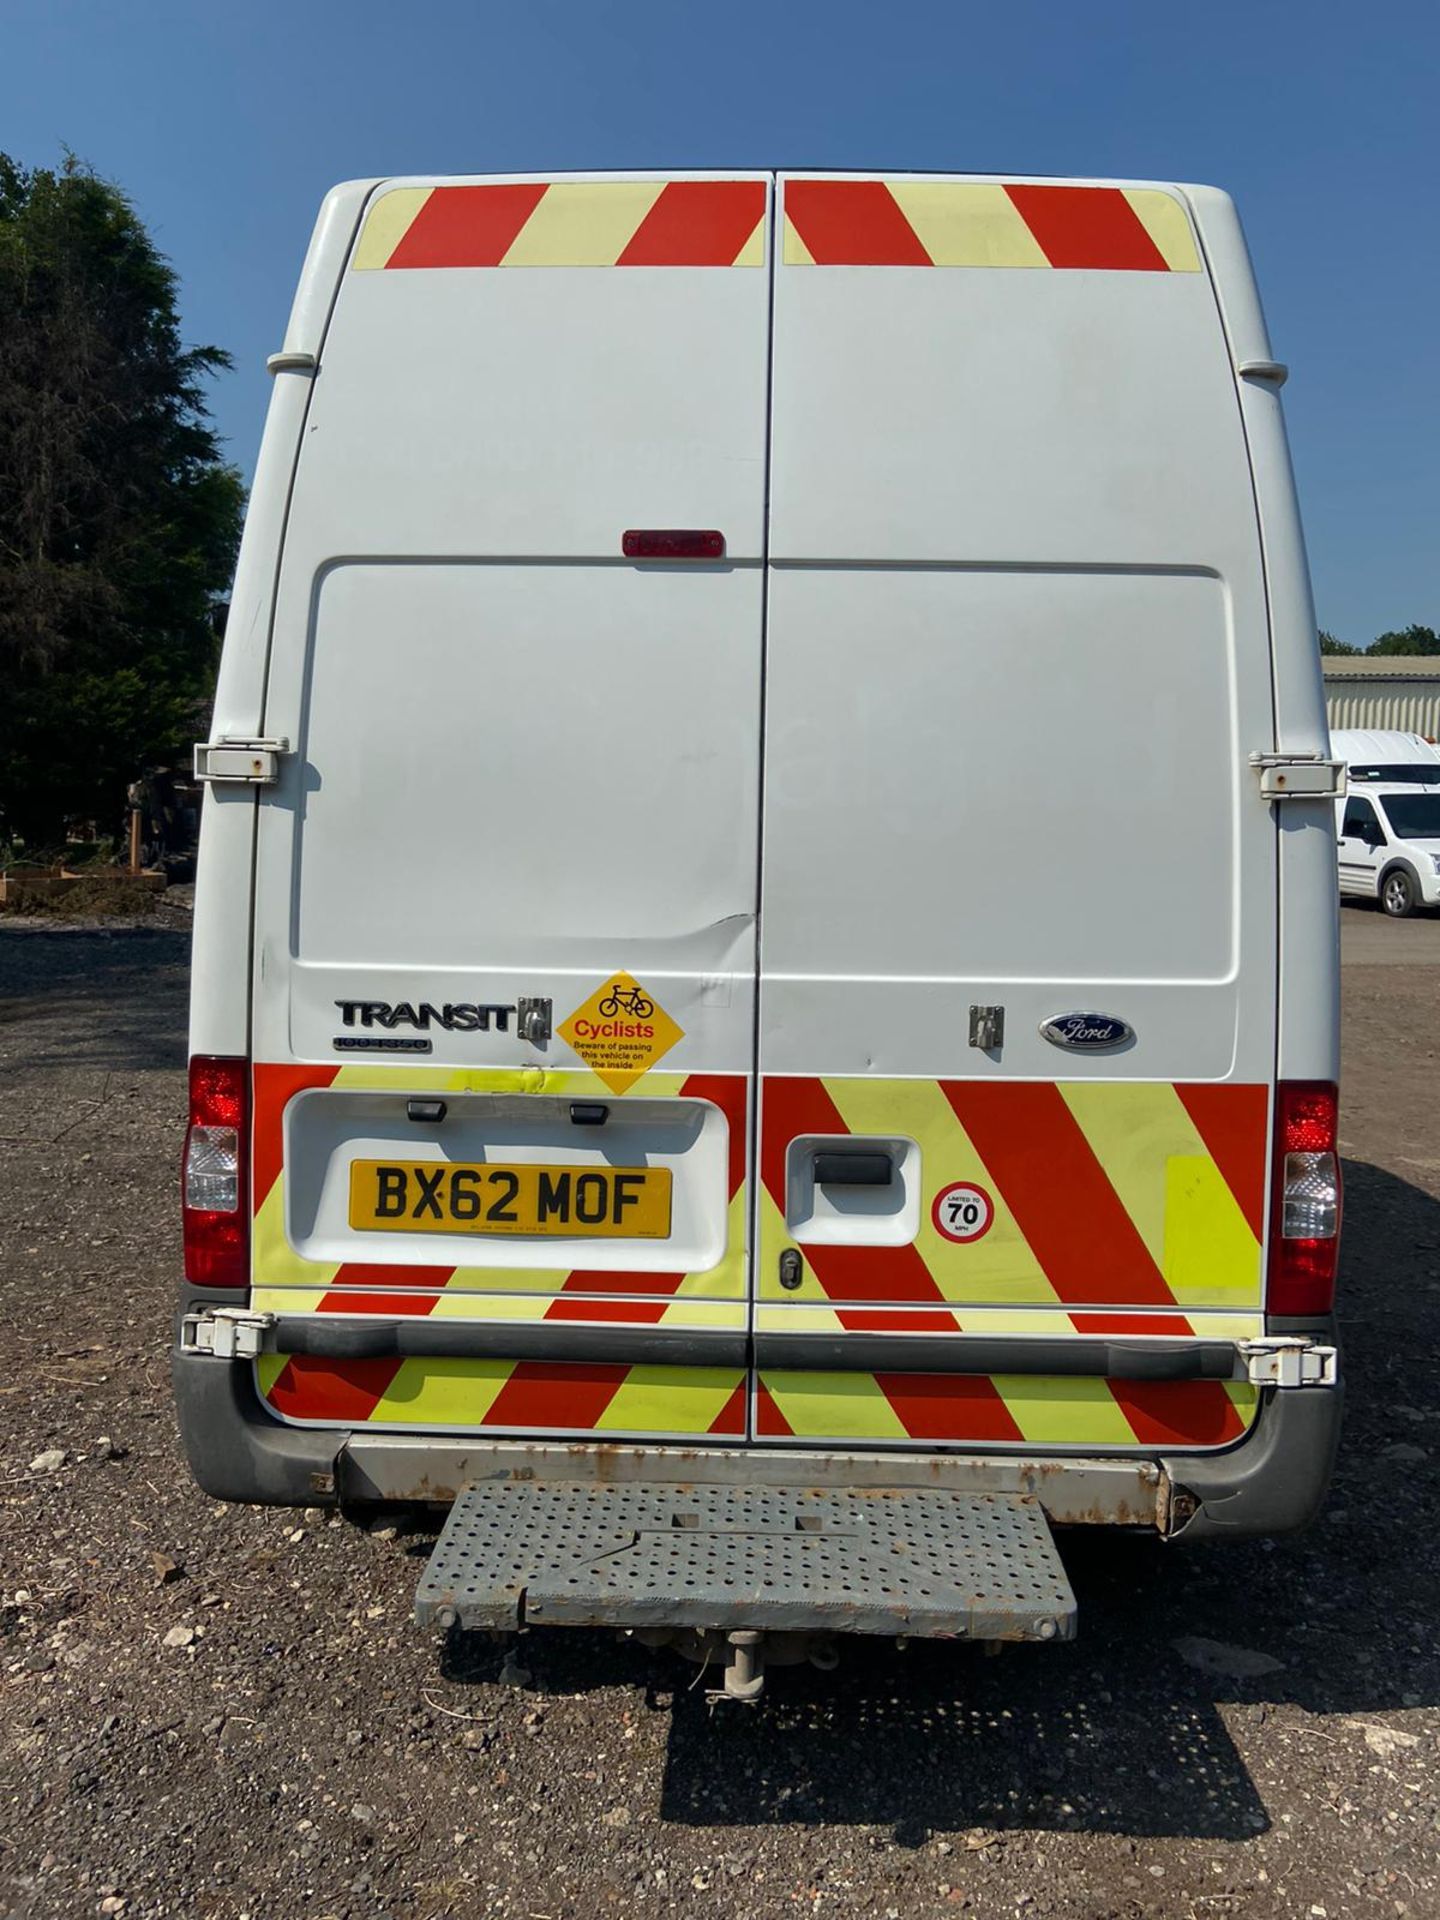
(1329, 644)
(1410, 640)
(119, 519)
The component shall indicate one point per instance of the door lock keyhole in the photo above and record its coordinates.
(792, 1269)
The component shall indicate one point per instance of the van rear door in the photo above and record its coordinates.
(1017, 657)
(523, 796)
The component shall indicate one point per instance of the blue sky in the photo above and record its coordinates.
(226, 121)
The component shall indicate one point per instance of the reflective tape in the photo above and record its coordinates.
(977, 223)
(1008, 1410)
(1124, 1209)
(505, 1396)
(566, 223)
(843, 1409)
(827, 222)
(1113, 1196)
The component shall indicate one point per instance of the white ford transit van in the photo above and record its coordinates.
(670, 1083)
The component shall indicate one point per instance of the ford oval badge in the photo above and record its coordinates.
(1087, 1032)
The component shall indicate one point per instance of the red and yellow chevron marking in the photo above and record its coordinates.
(1119, 1209)
(506, 1396)
(567, 223)
(1009, 1409)
(798, 1316)
(1107, 1195)
(710, 1298)
(972, 223)
(557, 1397)
(496, 1395)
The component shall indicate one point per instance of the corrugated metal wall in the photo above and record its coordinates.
(1413, 705)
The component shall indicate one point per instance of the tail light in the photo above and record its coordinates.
(1305, 1223)
(215, 1183)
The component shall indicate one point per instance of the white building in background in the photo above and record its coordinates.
(1401, 691)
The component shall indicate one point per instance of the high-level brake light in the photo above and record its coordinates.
(1305, 1223)
(672, 543)
(214, 1179)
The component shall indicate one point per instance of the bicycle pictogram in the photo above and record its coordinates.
(627, 1000)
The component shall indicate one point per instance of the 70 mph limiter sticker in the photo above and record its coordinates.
(963, 1212)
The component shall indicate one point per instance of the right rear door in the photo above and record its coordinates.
(1017, 655)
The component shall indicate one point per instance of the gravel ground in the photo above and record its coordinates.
(213, 1711)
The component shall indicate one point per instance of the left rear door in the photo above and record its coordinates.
(526, 769)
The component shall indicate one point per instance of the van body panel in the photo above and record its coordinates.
(958, 725)
(1308, 975)
(892, 444)
(570, 404)
(220, 1002)
(336, 227)
(942, 591)
(572, 681)
(883, 969)
(220, 1021)
(241, 687)
(503, 788)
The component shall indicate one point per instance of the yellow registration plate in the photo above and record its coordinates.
(406, 1196)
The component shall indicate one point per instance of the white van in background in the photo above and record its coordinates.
(1374, 754)
(1389, 845)
(1388, 823)
(666, 1082)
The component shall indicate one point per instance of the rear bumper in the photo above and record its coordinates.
(1273, 1481)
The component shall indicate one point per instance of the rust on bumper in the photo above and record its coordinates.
(433, 1469)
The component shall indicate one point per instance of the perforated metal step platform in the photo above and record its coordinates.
(913, 1561)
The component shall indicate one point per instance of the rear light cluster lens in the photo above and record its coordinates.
(212, 1169)
(1312, 1197)
(1305, 1236)
(214, 1180)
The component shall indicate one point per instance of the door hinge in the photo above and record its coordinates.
(226, 1333)
(1290, 1361)
(1299, 776)
(240, 762)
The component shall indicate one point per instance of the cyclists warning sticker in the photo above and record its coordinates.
(620, 1032)
(963, 1212)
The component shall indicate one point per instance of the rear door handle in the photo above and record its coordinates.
(854, 1169)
